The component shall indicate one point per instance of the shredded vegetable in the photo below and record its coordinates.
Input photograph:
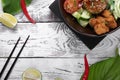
(115, 8)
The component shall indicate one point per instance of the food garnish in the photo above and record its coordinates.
(31, 74)
(15, 6)
(24, 9)
(115, 8)
(86, 72)
(105, 70)
(58, 78)
(108, 69)
(101, 15)
(8, 20)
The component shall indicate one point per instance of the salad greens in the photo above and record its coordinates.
(116, 11)
(115, 8)
(13, 6)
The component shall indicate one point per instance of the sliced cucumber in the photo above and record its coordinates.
(81, 13)
(83, 22)
(85, 14)
(80, 10)
(82, 17)
(76, 14)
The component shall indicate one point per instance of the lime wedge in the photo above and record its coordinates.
(31, 74)
(58, 78)
(8, 20)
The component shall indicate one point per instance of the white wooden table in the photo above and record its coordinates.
(52, 49)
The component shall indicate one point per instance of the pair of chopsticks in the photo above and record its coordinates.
(12, 66)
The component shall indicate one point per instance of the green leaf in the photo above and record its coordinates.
(13, 6)
(105, 70)
(117, 52)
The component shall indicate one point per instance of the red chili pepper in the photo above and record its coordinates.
(86, 73)
(24, 9)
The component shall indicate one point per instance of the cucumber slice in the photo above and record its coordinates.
(80, 10)
(83, 22)
(85, 14)
(76, 14)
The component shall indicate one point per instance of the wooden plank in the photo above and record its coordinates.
(52, 40)
(67, 69)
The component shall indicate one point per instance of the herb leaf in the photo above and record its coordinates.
(13, 6)
(105, 70)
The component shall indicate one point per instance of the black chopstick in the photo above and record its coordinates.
(7, 75)
(5, 65)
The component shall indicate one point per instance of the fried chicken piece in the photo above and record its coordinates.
(100, 19)
(103, 23)
(101, 28)
(110, 22)
(93, 22)
(106, 13)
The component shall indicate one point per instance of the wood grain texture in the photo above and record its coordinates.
(66, 68)
(39, 11)
(52, 40)
(52, 49)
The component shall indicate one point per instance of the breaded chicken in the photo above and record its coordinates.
(93, 22)
(110, 22)
(103, 22)
(106, 13)
(100, 19)
(101, 28)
